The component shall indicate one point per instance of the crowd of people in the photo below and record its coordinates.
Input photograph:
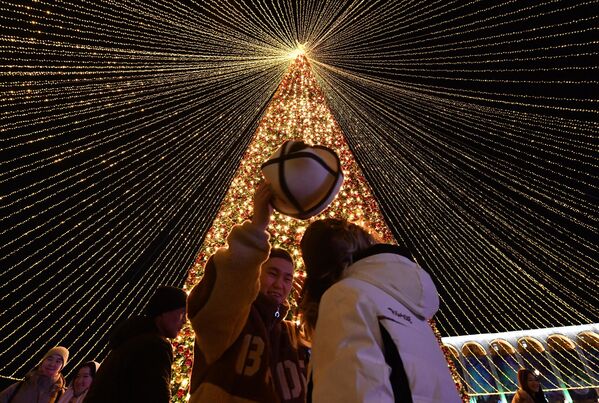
(365, 337)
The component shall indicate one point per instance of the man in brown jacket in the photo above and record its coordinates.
(244, 350)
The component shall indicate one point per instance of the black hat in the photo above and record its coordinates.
(166, 298)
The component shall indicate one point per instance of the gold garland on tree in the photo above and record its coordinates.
(298, 111)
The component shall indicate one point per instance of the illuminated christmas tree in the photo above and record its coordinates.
(298, 111)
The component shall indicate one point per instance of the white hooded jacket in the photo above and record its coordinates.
(384, 290)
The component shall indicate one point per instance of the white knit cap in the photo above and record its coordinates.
(304, 179)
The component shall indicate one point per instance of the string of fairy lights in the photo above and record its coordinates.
(497, 174)
(343, 89)
(131, 133)
(566, 274)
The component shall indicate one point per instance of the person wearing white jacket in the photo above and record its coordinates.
(367, 305)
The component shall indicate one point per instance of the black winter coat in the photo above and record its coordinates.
(137, 368)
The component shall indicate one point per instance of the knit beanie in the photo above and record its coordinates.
(166, 298)
(58, 350)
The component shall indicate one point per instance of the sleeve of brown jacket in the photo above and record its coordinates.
(219, 305)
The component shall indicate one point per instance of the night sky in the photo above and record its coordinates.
(122, 125)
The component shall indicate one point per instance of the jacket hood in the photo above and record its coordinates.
(130, 328)
(399, 277)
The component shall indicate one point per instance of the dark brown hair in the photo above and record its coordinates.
(327, 247)
(538, 397)
(92, 370)
(280, 253)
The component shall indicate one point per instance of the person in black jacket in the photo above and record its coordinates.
(138, 366)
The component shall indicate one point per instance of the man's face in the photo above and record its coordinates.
(171, 322)
(276, 278)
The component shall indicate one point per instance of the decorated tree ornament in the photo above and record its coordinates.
(297, 116)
